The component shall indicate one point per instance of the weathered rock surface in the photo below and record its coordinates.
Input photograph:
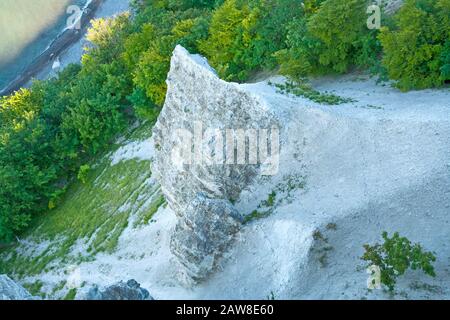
(130, 290)
(380, 162)
(9, 290)
(201, 195)
(207, 227)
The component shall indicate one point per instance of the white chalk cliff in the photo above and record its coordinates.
(346, 172)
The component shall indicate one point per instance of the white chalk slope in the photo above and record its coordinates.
(381, 163)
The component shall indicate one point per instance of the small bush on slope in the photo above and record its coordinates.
(83, 173)
(395, 256)
(417, 50)
(304, 90)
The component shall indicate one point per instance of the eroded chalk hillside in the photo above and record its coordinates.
(379, 160)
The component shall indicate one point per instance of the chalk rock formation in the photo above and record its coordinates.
(131, 290)
(9, 290)
(202, 194)
(379, 162)
(203, 233)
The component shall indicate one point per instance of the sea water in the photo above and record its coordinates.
(27, 28)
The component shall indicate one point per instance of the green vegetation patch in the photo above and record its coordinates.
(395, 256)
(34, 288)
(304, 90)
(93, 215)
(322, 247)
(417, 46)
(282, 193)
(71, 294)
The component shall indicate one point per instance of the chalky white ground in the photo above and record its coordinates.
(381, 163)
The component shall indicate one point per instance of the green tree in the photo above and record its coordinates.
(230, 34)
(416, 50)
(152, 62)
(330, 36)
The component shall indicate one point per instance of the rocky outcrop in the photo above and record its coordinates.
(201, 193)
(378, 162)
(202, 234)
(9, 290)
(130, 290)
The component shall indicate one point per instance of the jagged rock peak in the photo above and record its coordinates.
(202, 112)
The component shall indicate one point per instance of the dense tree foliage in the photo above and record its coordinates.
(330, 36)
(244, 35)
(49, 132)
(417, 49)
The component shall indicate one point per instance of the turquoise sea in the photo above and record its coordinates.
(27, 27)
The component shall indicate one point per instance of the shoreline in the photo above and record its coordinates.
(67, 38)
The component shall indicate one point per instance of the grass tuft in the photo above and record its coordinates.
(304, 90)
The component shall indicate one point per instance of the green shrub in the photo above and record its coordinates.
(229, 39)
(271, 29)
(417, 49)
(396, 255)
(83, 173)
(107, 37)
(330, 36)
(97, 112)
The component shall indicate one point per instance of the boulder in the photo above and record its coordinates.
(130, 290)
(202, 234)
(9, 290)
